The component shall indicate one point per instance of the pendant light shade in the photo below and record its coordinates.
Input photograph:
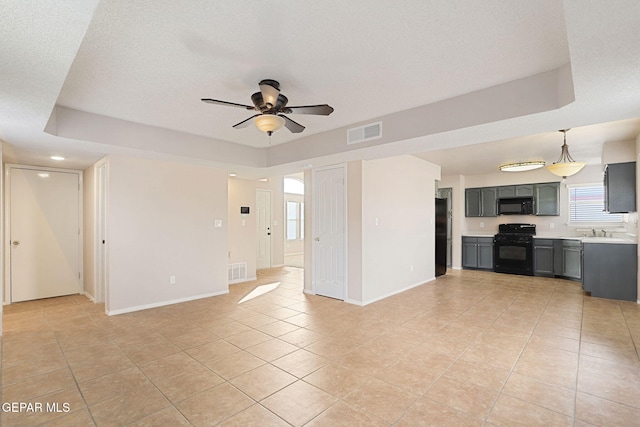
(269, 123)
(565, 166)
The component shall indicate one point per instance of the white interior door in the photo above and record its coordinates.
(44, 233)
(263, 208)
(329, 225)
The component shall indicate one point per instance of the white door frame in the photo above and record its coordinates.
(100, 232)
(342, 166)
(270, 208)
(7, 224)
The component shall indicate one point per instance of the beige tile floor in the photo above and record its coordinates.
(472, 348)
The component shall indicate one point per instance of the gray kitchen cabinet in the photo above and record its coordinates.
(547, 198)
(543, 257)
(470, 252)
(489, 198)
(477, 252)
(472, 202)
(515, 190)
(485, 253)
(620, 187)
(480, 202)
(568, 258)
(610, 270)
(524, 190)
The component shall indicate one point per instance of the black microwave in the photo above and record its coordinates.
(515, 206)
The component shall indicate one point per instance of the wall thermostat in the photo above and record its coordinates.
(244, 210)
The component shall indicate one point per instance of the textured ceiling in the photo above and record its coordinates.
(127, 77)
(151, 62)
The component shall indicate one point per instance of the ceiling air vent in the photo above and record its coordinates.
(364, 133)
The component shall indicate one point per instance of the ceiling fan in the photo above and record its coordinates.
(272, 107)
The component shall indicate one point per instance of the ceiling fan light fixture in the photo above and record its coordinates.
(566, 165)
(269, 123)
(270, 90)
(522, 166)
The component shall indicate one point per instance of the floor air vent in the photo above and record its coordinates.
(237, 272)
(364, 133)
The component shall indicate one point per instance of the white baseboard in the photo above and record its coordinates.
(363, 303)
(91, 297)
(277, 265)
(163, 303)
(248, 279)
(308, 292)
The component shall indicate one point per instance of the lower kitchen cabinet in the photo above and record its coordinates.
(610, 270)
(568, 258)
(477, 252)
(543, 257)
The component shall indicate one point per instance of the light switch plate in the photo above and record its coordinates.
(217, 223)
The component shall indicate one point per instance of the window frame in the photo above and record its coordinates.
(299, 220)
(574, 223)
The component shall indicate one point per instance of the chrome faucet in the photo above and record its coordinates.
(593, 232)
(604, 233)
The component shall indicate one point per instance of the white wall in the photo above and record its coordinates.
(88, 253)
(242, 228)
(398, 225)
(2, 228)
(355, 277)
(161, 223)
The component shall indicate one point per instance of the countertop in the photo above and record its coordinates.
(611, 240)
(589, 239)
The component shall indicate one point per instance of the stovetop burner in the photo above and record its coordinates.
(517, 229)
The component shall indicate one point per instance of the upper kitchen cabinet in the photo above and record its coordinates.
(480, 202)
(620, 187)
(547, 197)
(515, 190)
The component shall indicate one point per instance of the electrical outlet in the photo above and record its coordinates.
(482, 225)
(172, 280)
(552, 225)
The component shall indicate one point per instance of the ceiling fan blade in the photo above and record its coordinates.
(291, 125)
(227, 103)
(270, 90)
(243, 124)
(321, 110)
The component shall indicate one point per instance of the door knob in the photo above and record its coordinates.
(15, 242)
(317, 239)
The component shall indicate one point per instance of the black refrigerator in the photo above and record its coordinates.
(441, 237)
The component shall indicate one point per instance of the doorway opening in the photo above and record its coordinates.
(294, 220)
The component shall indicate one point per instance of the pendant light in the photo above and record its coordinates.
(565, 166)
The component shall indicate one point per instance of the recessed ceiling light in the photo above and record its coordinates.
(57, 158)
(43, 175)
(232, 174)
